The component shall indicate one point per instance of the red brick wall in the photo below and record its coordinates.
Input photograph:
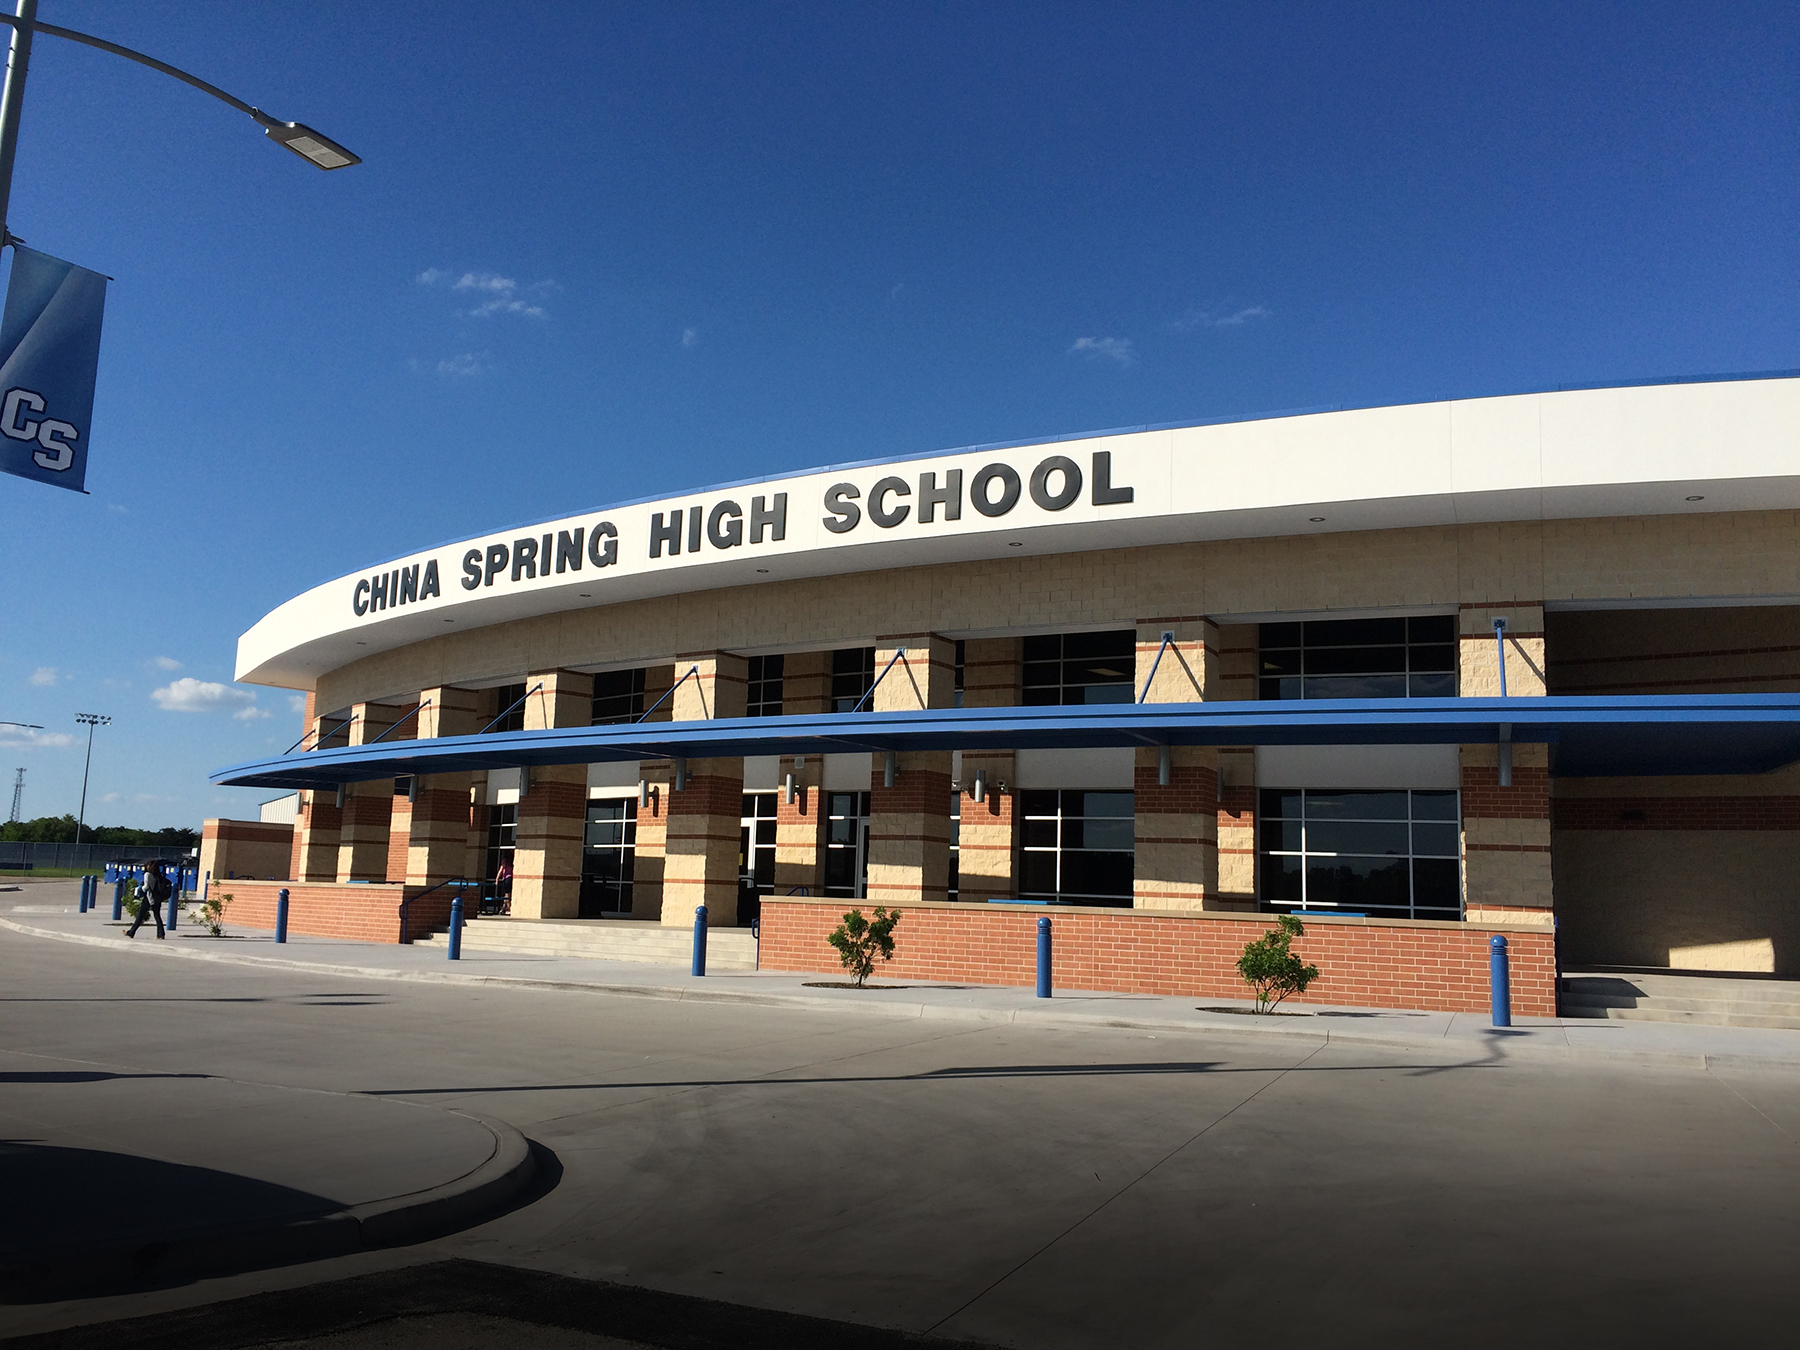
(1367, 963)
(320, 909)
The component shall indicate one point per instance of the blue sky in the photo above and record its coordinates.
(599, 252)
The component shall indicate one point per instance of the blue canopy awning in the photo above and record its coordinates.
(1622, 736)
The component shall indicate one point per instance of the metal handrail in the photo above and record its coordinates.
(668, 693)
(508, 713)
(869, 693)
(451, 881)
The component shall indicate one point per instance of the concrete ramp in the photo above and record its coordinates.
(604, 940)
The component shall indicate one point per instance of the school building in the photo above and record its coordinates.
(1525, 665)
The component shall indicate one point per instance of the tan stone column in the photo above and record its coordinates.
(651, 850)
(909, 823)
(437, 845)
(318, 821)
(368, 806)
(1237, 649)
(1177, 823)
(700, 864)
(985, 839)
(805, 688)
(400, 811)
(553, 810)
(1505, 830)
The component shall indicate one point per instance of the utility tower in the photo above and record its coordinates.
(18, 792)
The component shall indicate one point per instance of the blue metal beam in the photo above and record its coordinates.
(1632, 735)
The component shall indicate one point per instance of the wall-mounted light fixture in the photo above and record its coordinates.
(524, 780)
(1506, 754)
(887, 768)
(1162, 766)
(680, 773)
(340, 797)
(787, 789)
(412, 788)
(978, 789)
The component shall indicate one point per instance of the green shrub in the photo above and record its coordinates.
(212, 913)
(1271, 970)
(858, 940)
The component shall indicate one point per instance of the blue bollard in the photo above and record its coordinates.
(118, 899)
(1043, 989)
(1500, 979)
(81, 904)
(174, 901)
(699, 939)
(281, 902)
(456, 929)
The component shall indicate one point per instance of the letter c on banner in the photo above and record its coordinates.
(9, 414)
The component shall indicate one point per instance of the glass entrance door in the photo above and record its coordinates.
(846, 844)
(608, 858)
(756, 855)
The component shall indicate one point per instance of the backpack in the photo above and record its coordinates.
(157, 887)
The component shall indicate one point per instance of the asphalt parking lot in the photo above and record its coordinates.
(1010, 1185)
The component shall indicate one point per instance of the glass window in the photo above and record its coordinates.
(608, 858)
(764, 698)
(1359, 658)
(959, 687)
(1067, 668)
(503, 828)
(955, 832)
(509, 709)
(1076, 848)
(618, 697)
(846, 844)
(1392, 855)
(852, 672)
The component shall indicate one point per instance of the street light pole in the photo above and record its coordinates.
(18, 57)
(90, 721)
(314, 147)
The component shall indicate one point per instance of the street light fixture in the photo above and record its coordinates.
(90, 721)
(312, 146)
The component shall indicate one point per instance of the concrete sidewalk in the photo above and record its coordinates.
(49, 911)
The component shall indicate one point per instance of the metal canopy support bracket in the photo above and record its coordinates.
(899, 654)
(1500, 652)
(1168, 640)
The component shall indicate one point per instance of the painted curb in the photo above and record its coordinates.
(1496, 1049)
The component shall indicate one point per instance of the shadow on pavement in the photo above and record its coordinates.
(83, 1223)
(509, 1306)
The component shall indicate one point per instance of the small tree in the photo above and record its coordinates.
(1271, 970)
(212, 913)
(858, 940)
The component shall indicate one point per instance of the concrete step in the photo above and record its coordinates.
(1695, 999)
(603, 940)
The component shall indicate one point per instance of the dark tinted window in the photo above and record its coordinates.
(764, 695)
(1359, 658)
(1070, 668)
(618, 697)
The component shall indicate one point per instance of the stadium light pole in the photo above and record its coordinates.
(90, 721)
(314, 147)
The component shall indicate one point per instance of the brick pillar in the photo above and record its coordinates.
(368, 806)
(437, 844)
(651, 851)
(553, 813)
(1177, 825)
(805, 688)
(318, 823)
(400, 811)
(985, 839)
(700, 864)
(1237, 773)
(909, 823)
(1505, 830)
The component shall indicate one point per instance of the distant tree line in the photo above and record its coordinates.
(61, 830)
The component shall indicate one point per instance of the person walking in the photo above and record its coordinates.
(152, 896)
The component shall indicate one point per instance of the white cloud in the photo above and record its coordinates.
(690, 337)
(502, 292)
(113, 797)
(166, 663)
(1106, 348)
(297, 703)
(250, 714)
(22, 738)
(44, 676)
(461, 366)
(114, 509)
(190, 695)
(1200, 318)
